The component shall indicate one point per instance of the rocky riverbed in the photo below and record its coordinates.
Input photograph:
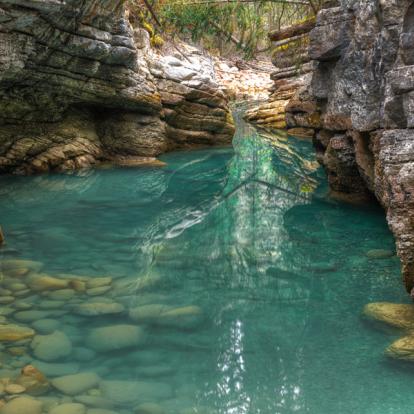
(45, 356)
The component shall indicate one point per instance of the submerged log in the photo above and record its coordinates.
(292, 31)
(2, 240)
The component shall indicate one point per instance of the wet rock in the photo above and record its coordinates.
(14, 264)
(147, 313)
(33, 381)
(379, 254)
(22, 405)
(30, 315)
(69, 408)
(15, 389)
(40, 282)
(51, 347)
(62, 294)
(100, 411)
(45, 326)
(98, 282)
(187, 317)
(398, 315)
(76, 384)
(98, 308)
(129, 392)
(14, 333)
(149, 408)
(97, 291)
(115, 337)
(403, 348)
(5, 300)
(57, 369)
(94, 401)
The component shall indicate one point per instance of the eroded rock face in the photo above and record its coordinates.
(78, 85)
(364, 87)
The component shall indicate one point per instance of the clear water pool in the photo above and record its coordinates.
(246, 281)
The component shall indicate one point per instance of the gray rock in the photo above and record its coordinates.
(76, 384)
(51, 347)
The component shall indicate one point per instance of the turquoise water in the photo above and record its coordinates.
(272, 276)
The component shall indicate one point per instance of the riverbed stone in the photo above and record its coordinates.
(94, 401)
(14, 389)
(62, 294)
(98, 308)
(12, 264)
(394, 314)
(147, 313)
(187, 317)
(380, 254)
(22, 405)
(100, 411)
(41, 282)
(51, 347)
(33, 381)
(69, 408)
(402, 348)
(111, 338)
(45, 326)
(30, 315)
(129, 392)
(56, 369)
(97, 291)
(149, 408)
(95, 282)
(76, 384)
(14, 333)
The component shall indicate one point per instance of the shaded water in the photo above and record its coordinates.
(272, 276)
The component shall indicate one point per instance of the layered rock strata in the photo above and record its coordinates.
(79, 85)
(292, 74)
(363, 85)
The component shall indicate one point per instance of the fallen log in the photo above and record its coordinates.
(292, 31)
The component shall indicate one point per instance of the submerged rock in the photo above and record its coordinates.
(149, 408)
(13, 264)
(403, 348)
(98, 308)
(51, 347)
(76, 384)
(40, 282)
(22, 405)
(69, 408)
(46, 326)
(111, 338)
(56, 369)
(15, 333)
(129, 392)
(33, 381)
(379, 254)
(398, 315)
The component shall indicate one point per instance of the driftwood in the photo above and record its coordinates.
(292, 31)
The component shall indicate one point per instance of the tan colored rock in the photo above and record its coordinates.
(76, 384)
(12, 264)
(12, 333)
(15, 389)
(95, 282)
(394, 314)
(33, 381)
(40, 282)
(402, 348)
(22, 405)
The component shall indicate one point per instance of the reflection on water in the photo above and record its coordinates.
(272, 276)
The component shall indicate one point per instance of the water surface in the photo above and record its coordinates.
(275, 272)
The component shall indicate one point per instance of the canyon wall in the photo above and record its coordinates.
(79, 85)
(363, 85)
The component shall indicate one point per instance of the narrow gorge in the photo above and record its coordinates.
(206, 206)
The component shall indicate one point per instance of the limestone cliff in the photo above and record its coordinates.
(364, 86)
(79, 85)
